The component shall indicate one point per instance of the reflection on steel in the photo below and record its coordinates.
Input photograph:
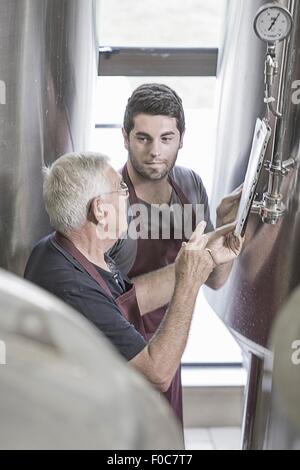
(65, 387)
(269, 269)
(279, 400)
(251, 395)
(48, 67)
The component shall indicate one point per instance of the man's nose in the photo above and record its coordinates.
(156, 149)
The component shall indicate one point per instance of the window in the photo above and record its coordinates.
(132, 35)
(161, 23)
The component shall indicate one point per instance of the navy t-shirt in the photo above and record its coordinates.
(53, 269)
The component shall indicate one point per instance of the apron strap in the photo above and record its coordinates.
(70, 248)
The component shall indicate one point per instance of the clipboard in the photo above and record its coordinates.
(261, 137)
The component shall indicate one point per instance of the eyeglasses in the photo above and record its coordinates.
(123, 189)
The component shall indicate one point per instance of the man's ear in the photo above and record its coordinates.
(96, 210)
(126, 139)
(181, 140)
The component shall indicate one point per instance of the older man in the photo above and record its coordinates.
(86, 201)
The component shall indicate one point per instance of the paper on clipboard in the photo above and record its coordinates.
(260, 142)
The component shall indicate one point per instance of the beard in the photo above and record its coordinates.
(153, 172)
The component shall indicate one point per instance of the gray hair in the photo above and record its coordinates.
(70, 184)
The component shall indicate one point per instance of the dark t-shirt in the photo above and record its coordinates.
(53, 269)
(125, 250)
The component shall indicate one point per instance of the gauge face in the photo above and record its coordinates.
(273, 23)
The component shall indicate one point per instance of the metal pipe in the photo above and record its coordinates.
(272, 208)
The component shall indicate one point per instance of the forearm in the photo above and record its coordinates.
(165, 349)
(219, 276)
(155, 289)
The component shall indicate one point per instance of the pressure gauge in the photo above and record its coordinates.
(273, 23)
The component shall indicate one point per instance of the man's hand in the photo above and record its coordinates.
(224, 245)
(228, 208)
(194, 264)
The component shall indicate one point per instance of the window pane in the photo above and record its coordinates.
(113, 93)
(157, 23)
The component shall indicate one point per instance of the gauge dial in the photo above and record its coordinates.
(273, 23)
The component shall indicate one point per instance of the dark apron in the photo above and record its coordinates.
(127, 302)
(153, 255)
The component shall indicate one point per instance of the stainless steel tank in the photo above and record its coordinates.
(48, 69)
(278, 424)
(269, 269)
(64, 386)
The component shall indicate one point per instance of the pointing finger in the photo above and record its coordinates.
(198, 241)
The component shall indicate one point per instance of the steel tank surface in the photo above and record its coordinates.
(278, 424)
(48, 71)
(268, 270)
(64, 386)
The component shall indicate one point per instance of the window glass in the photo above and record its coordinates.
(157, 23)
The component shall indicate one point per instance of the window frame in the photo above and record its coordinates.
(156, 61)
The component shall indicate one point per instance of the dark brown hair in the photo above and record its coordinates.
(154, 99)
